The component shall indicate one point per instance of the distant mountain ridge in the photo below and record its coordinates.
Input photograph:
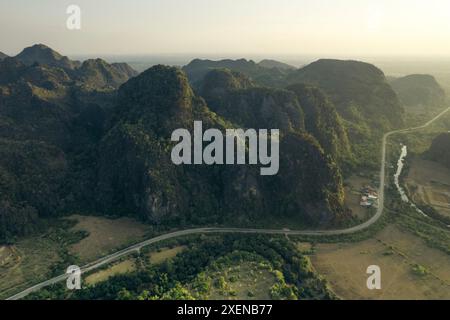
(3, 56)
(269, 63)
(358, 89)
(96, 73)
(363, 99)
(42, 54)
(260, 74)
(99, 73)
(125, 68)
(419, 90)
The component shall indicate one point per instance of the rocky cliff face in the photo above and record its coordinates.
(249, 106)
(296, 108)
(137, 175)
(323, 122)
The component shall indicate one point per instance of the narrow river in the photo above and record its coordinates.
(400, 165)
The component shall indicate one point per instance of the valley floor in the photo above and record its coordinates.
(399, 254)
(36, 258)
(428, 183)
(410, 268)
(413, 252)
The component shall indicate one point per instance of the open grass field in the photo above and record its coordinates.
(34, 258)
(129, 265)
(303, 246)
(105, 235)
(164, 254)
(116, 269)
(9, 256)
(429, 183)
(399, 254)
(25, 263)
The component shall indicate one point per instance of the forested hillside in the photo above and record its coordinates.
(440, 149)
(50, 123)
(419, 90)
(71, 142)
(143, 180)
(363, 99)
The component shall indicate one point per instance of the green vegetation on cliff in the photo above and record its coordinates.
(363, 98)
(50, 123)
(359, 91)
(72, 141)
(136, 174)
(440, 149)
(324, 123)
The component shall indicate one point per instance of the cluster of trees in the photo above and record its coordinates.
(171, 279)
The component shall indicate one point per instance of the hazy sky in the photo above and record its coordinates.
(270, 27)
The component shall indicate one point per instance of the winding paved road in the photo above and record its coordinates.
(137, 247)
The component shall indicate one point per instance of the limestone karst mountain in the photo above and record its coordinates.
(419, 90)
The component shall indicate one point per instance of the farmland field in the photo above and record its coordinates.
(399, 255)
(25, 262)
(105, 235)
(36, 257)
(116, 269)
(429, 183)
(131, 264)
(164, 254)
